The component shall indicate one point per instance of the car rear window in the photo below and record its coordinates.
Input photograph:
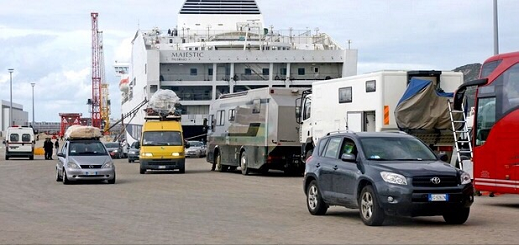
(14, 137)
(26, 137)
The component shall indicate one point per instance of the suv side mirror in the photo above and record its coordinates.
(348, 157)
(443, 157)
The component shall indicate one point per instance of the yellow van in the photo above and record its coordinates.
(162, 145)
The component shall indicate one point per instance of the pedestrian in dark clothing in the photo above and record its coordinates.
(47, 146)
(56, 145)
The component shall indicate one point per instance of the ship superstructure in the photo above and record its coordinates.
(219, 47)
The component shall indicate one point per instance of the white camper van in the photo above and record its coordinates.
(19, 142)
(368, 102)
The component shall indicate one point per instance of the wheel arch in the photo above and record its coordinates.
(309, 178)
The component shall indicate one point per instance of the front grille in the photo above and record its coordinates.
(445, 181)
(88, 166)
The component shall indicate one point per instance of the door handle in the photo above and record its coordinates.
(335, 168)
(318, 165)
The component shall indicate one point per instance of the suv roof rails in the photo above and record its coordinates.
(395, 131)
(340, 131)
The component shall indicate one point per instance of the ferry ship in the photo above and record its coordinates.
(219, 47)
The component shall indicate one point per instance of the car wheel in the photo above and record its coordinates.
(64, 178)
(111, 181)
(219, 166)
(142, 170)
(457, 217)
(6, 157)
(58, 177)
(370, 211)
(129, 160)
(31, 157)
(244, 164)
(314, 201)
(182, 170)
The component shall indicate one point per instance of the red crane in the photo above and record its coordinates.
(96, 74)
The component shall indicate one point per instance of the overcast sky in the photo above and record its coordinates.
(49, 41)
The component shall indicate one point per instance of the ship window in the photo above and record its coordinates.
(283, 71)
(345, 95)
(248, 71)
(210, 71)
(265, 71)
(227, 71)
(193, 72)
(301, 71)
(231, 114)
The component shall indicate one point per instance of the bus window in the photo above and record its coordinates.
(510, 88)
(489, 68)
(486, 118)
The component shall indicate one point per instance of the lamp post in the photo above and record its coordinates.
(32, 84)
(11, 96)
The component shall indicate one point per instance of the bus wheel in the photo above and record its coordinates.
(244, 165)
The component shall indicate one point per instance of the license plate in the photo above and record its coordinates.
(91, 173)
(162, 167)
(438, 197)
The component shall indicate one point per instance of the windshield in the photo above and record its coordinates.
(161, 138)
(195, 144)
(94, 148)
(396, 149)
(112, 145)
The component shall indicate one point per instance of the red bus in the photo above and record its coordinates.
(495, 133)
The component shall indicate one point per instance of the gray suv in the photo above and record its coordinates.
(84, 159)
(385, 174)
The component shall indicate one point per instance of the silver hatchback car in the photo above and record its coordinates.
(84, 159)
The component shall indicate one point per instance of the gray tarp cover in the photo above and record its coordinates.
(422, 107)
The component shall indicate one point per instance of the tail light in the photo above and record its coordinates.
(445, 148)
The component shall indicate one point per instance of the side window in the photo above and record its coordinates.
(26, 137)
(308, 107)
(486, 118)
(231, 114)
(348, 147)
(322, 144)
(14, 137)
(256, 105)
(345, 95)
(332, 149)
(220, 118)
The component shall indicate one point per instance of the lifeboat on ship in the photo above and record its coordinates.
(124, 85)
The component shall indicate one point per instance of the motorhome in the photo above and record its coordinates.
(255, 130)
(379, 101)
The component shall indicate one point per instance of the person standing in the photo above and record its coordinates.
(47, 146)
(56, 145)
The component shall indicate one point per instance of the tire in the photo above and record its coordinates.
(31, 157)
(6, 157)
(219, 166)
(111, 181)
(244, 164)
(457, 217)
(314, 200)
(129, 160)
(370, 211)
(142, 170)
(182, 170)
(58, 177)
(64, 178)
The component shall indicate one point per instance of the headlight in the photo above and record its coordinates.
(465, 178)
(147, 154)
(115, 150)
(108, 165)
(175, 154)
(393, 178)
(73, 165)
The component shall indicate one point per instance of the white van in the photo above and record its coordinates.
(19, 142)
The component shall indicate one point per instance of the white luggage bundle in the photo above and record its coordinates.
(82, 132)
(163, 101)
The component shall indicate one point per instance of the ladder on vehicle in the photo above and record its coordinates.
(462, 135)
